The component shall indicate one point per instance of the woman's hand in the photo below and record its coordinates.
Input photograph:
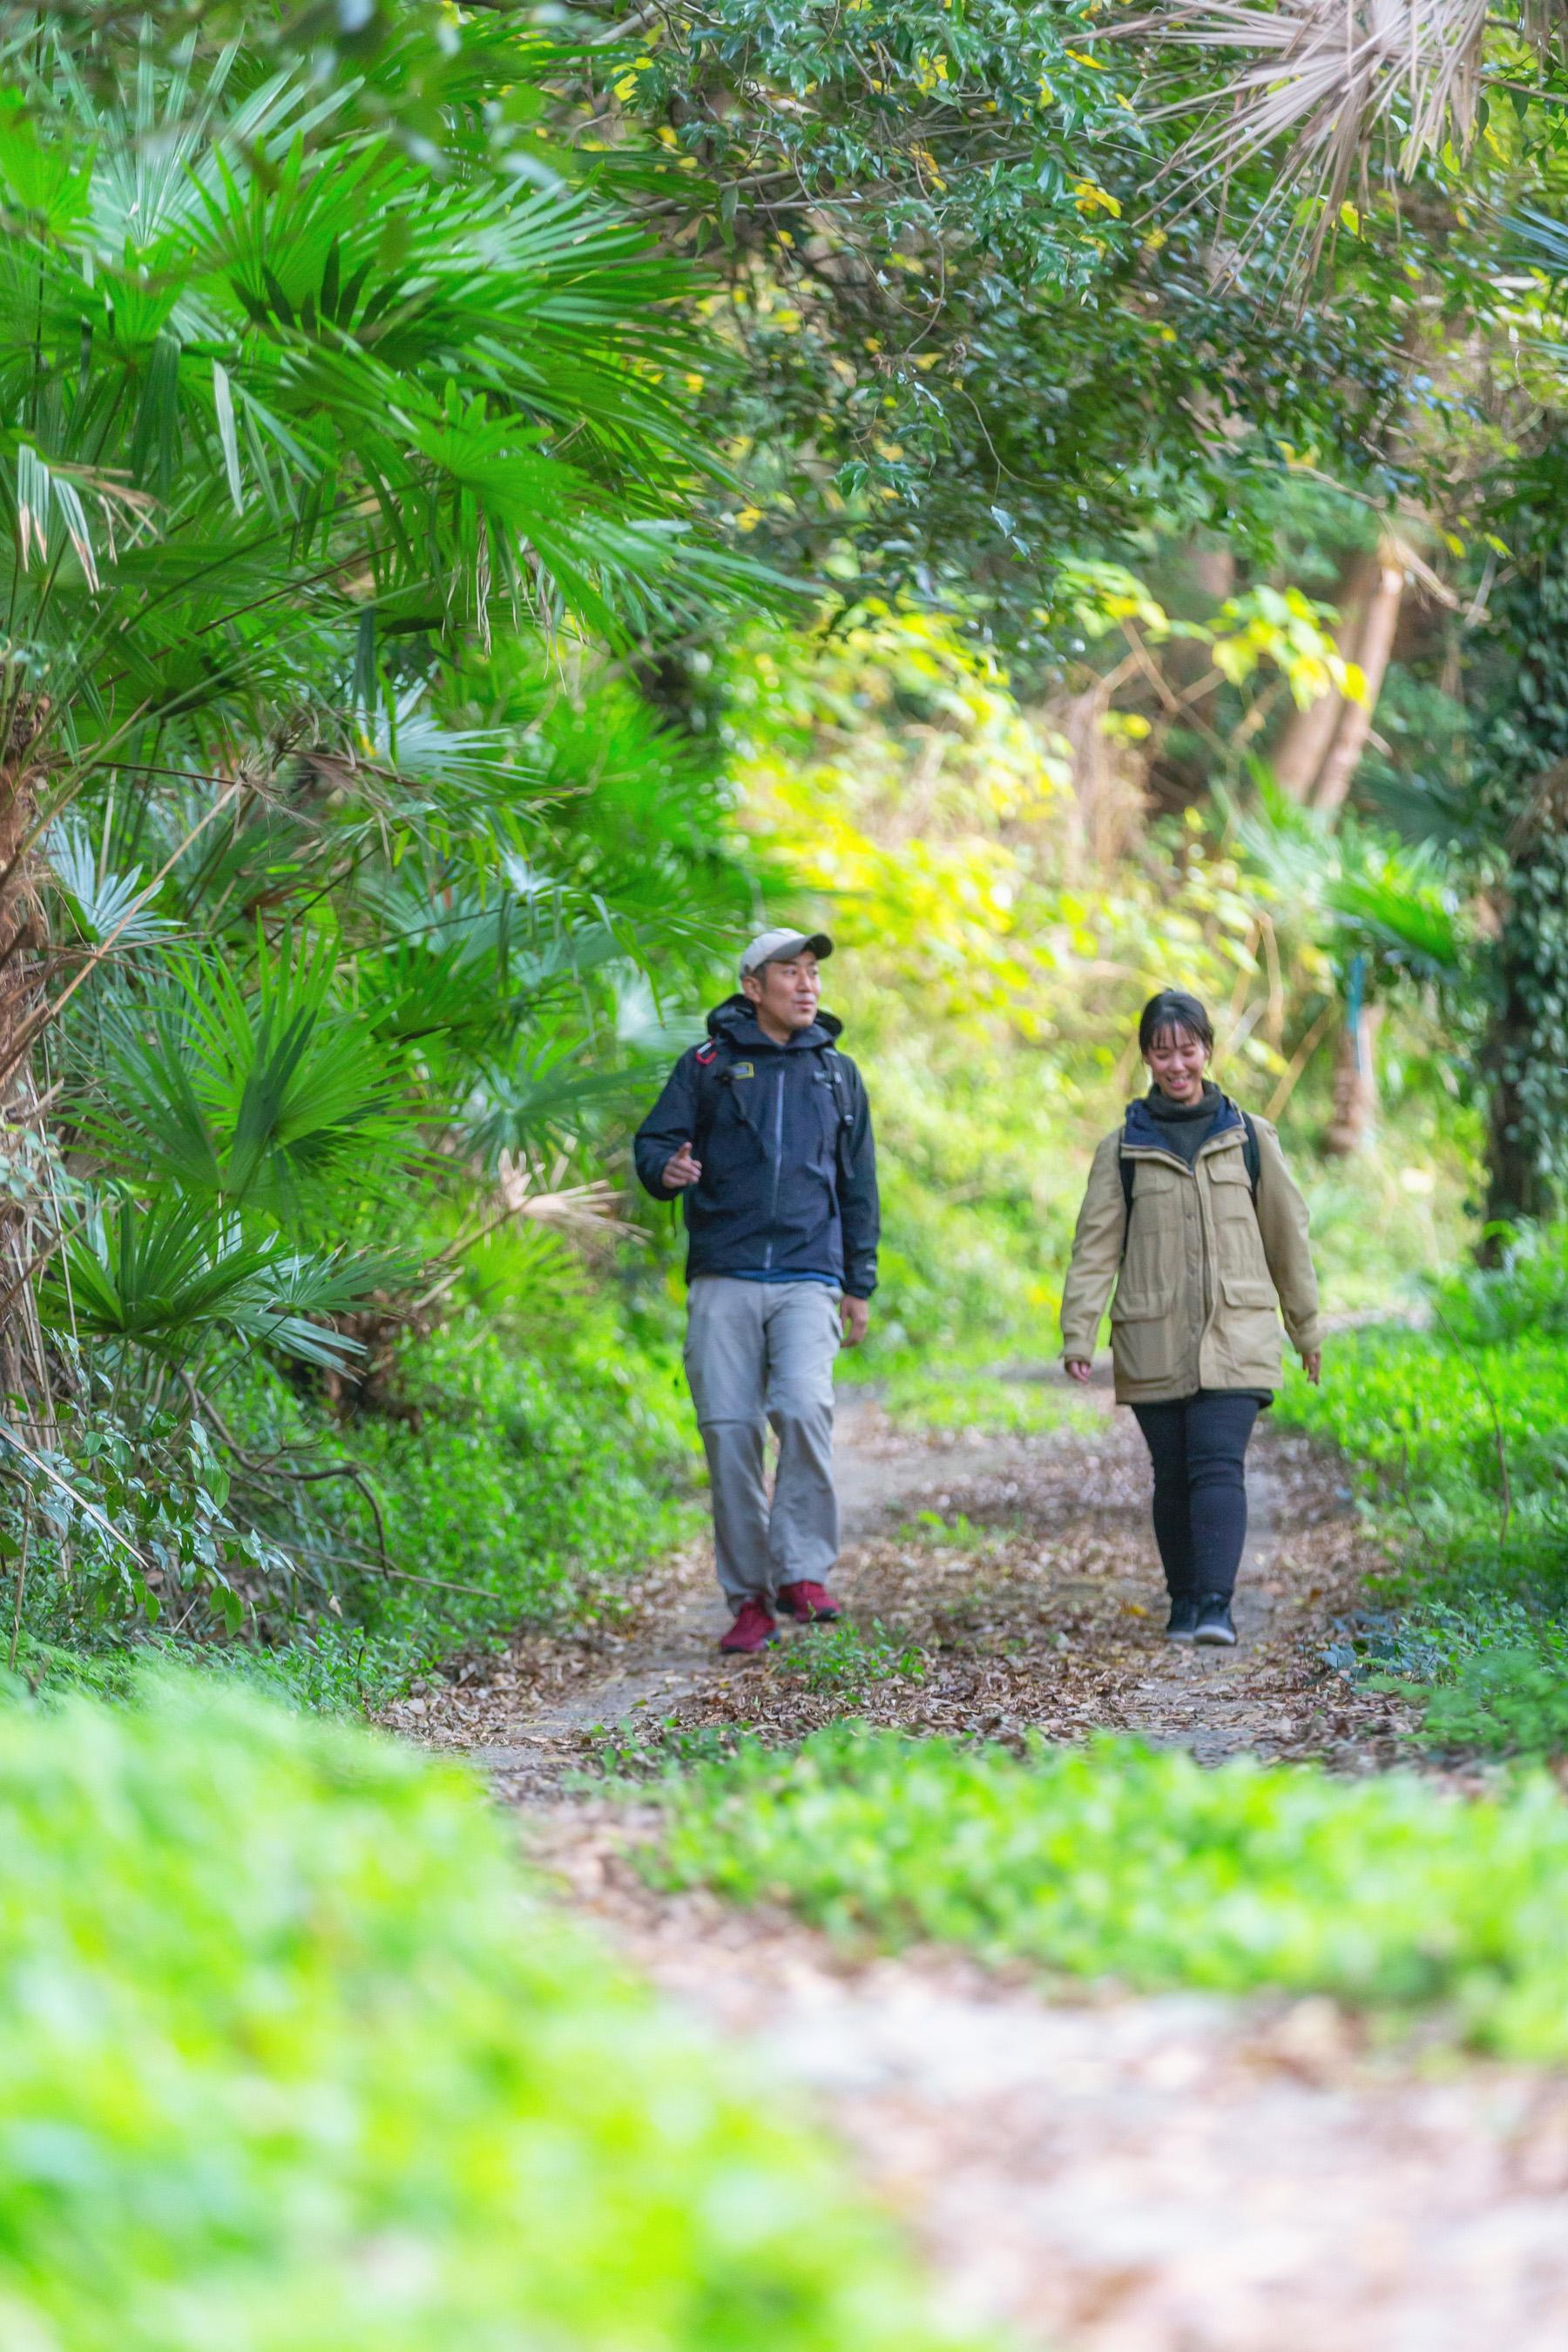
(1076, 1370)
(1312, 1364)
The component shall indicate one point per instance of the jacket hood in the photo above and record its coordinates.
(736, 1022)
(1141, 1131)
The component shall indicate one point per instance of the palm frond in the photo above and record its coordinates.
(249, 1097)
(544, 1100)
(1321, 80)
(1402, 911)
(164, 1278)
(104, 905)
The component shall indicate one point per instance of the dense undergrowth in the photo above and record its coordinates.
(1459, 1432)
(333, 2080)
(1116, 1863)
(522, 1479)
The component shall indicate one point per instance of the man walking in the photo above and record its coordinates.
(766, 1132)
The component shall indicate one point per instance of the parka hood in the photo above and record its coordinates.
(736, 1022)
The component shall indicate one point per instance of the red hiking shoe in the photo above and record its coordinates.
(753, 1629)
(807, 1600)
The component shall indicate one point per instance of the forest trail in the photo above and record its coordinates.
(1017, 1575)
(1109, 2174)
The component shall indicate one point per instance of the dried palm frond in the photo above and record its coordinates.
(587, 1210)
(1329, 76)
(587, 1214)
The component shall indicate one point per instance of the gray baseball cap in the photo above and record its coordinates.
(772, 947)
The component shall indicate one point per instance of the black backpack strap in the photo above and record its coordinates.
(843, 1105)
(833, 1062)
(712, 1071)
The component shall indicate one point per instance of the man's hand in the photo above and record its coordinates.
(1312, 1364)
(1076, 1370)
(681, 1170)
(857, 1314)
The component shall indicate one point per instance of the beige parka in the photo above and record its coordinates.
(1196, 1289)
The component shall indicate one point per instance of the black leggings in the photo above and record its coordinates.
(1198, 1446)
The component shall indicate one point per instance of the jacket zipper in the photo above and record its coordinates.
(1173, 1159)
(778, 1167)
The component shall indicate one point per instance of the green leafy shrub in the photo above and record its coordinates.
(1528, 1291)
(288, 2063)
(1115, 1861)
(1466, 1452)
(1460, 1435)
(524, 1485)
(847, 1658)
(1511, 1701)
(1491, 1675)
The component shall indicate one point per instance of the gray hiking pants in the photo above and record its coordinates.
(759, 1352)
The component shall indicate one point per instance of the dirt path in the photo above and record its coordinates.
(1122, 2175)
(1019, 1572)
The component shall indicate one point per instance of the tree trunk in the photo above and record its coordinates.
(1305, 738)
(1517, 1191)
(1376, 644)
(1108, 802)
(25, 1198)
(1527, 1156)
(1356, 1084)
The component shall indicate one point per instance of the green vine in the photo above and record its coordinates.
(1525, 803)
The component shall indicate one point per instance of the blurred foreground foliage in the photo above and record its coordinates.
(336, 2080)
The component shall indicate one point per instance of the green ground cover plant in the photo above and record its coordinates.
(847, 1658)
(291, 2060)
(1118, 1862)
(1458, 1435)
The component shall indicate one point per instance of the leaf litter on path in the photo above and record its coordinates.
(1019, 1581)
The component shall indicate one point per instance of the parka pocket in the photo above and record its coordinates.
(1248, 1330)
(1244, 1290)
(1231, 1185)
(1141, 1340)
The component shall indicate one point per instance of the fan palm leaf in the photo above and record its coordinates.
(167, 1277)
(248, 1097)
(255, 369)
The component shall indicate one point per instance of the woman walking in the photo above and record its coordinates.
(1193, 1215)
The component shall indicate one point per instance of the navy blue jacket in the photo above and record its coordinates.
(789, 1165)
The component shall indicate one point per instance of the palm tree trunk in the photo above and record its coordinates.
(1356, 1084)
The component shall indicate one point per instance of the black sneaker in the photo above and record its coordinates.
(1214, 1626)
(1184, 1622)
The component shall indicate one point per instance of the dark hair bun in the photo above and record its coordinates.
(1175, 1009)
